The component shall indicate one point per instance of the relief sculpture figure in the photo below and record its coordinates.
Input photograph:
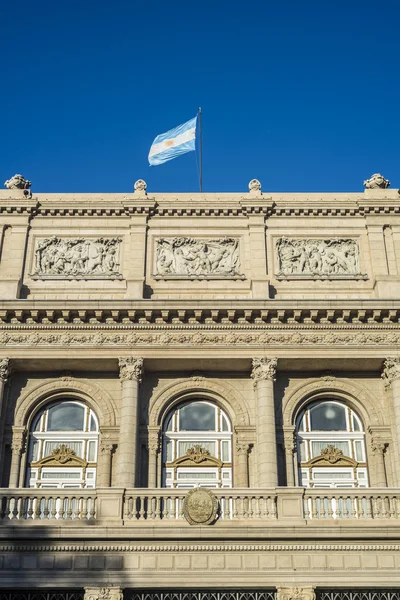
(197, 257)
(77, 257)
(317, 257)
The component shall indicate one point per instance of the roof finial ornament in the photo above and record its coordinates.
(140, 188)
(18, 182)
(255, 188)
(376, 181)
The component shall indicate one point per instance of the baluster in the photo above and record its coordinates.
(356, 508)
(181, 503)
(68, 515)
(241, 507)
(252, 511)
(258, 507)
(37, 507)
(84, 508)
(376, 513)
(158, 507)
(128, 508)
(314, 512)
(368, 507)
(142, 507)
(53, 508)
(331, 507)
(151, 507)
(273, 511)
(228, 507)
(45, 508)
(8, 508)
(92, 508)
(392, 507)
(396, 505)
(29, 509)
(246, 501)
(385, 509)
(3, 504)
(168, 500)
(235, 507)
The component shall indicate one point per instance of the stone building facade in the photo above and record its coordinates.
(199, 394)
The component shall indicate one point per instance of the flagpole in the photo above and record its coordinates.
(201, 147)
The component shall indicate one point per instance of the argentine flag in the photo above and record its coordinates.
(173, 143)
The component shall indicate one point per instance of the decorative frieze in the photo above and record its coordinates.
(295, 593)
(106, 593)
(318, 258)
(80, 258)
(185, 257)
(189, 339)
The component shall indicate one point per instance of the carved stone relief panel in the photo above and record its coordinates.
(185, 257)
(318, 258)
(77, 258)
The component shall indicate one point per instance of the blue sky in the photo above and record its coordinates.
(301, 95)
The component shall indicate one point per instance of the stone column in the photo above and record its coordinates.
(17, 447)
(153, 446)
(378, 451)
(5, 370)
(104, 464)
(295, 593)
(242, 464)
(131, 375)
(263, 373)
(105, 593)
(391, 378)
(289, 449)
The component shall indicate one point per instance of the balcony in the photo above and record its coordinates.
(141, 507)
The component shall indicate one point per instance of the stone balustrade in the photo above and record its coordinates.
(135, 506)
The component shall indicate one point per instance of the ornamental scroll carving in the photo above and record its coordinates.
(391, 370)
(318, 257)
(195, 257)
(77, 257)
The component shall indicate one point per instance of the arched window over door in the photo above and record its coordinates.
(197, 446)
(63, 445)
(331, 446)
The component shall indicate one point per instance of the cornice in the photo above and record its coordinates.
(196, 205)
(158, 315)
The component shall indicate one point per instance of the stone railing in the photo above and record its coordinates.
(136, 506)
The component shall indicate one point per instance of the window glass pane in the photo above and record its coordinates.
(359, 450)
(92, 451)
(34, 450)
(225, 426)
(168, 423)
(328, 417)
(61, 475)
(356, 424)
(197, 416)
(225, 451)
(191, 475)
(302, 423)
(303, 450)
(317, 447)
(93, 424)
(66, 417)
(184, 446)
(332, 475)
(36, 422)
(169, 451)
(50, 446)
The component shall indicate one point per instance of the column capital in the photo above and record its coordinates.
(295, 593)
(154, 440)
(130, 368)
(5, 369)
(391, 370)
(242, 448)
(18, 440)
(106, 447)
(263, 368)
(377, 446)
(106, 593)
(289, 442)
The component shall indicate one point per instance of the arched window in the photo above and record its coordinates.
(197, 446)
(331, 446)
(63, 442)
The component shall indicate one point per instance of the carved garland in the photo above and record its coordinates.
(190, 339)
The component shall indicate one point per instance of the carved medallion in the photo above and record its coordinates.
(200, 507)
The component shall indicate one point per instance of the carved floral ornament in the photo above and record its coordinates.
(326, 258)
(331, 454)
(131, 368)
(264, 369)
(194, 257)
(77, 257)
(103, 593)
(391, 370)
(295, 593)
(200, 338)
(5, 369)
(197, 454)
(18, 182)
(376, 181)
